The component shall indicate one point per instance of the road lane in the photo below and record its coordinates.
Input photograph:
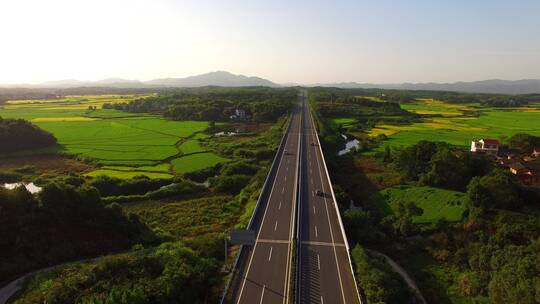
(325, 271)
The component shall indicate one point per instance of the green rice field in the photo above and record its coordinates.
(124, 174)
(126, 144)
(198, 161)
(437, 204)
(458, 124)
(345, 122)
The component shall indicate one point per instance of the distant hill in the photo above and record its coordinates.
(219, 78)
(65, 83)
(226, 79)
(493, 86)
(118, 82)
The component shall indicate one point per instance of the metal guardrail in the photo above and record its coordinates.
(271, 173)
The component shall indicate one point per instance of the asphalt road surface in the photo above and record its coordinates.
(325, 270)
(267, 266)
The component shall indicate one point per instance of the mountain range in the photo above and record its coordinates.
(226, 79)
(219, 78)
(492, 86)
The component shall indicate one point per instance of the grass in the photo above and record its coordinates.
(69, 118)
(194, 162)
(437, 204)
(127, 174)
(191, 146)
(345, 122)
(458, 124)
(191, 218)
(157, 168)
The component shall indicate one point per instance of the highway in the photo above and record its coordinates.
(325, 273)
(266, 266)
(291, 210)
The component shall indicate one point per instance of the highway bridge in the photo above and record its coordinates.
(300, 253)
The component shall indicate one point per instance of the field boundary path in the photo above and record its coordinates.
(397, 268)
(14, 286)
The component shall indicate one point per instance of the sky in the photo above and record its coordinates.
(284, 41)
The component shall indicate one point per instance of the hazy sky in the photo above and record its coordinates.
(284, 41)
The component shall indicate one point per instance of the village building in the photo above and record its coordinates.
(518, 168)
(488, 146)
(238, 114)
(534, 169)
(528, 173)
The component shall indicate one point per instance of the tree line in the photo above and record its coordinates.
(215, 104)
(19, 134)
(63, 222)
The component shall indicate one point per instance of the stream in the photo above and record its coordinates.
(351, 144)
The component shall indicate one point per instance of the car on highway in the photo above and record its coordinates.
(319, 192)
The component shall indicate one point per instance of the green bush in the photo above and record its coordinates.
(231, 184)
(379, 282)
(169, 273)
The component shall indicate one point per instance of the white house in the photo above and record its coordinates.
(489, 146)
(238, 114)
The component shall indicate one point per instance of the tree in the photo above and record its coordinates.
(387, 156)
(524, 142)
(401, 222)
(360, 225)
(211, 126)
(447, 171)
(379, 282)
(231, 183)
(496, 190)
(62, 223)
(415, 160)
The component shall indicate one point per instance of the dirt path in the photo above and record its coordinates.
(410, 282)
(12, 288)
